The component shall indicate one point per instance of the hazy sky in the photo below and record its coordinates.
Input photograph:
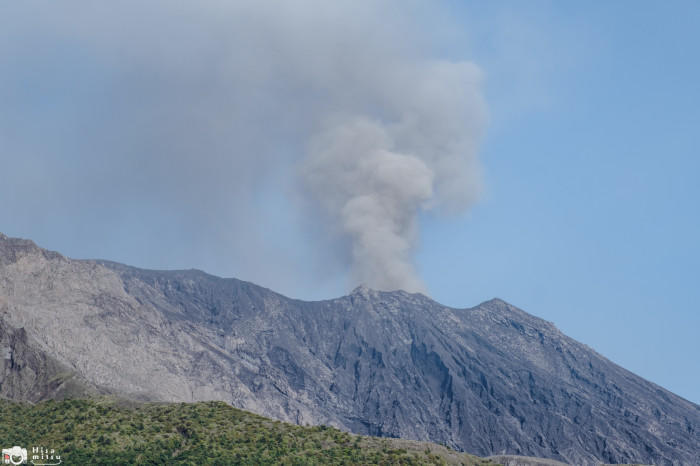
(541, 153)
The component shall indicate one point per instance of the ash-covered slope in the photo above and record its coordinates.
(27, 373)
(488, 380)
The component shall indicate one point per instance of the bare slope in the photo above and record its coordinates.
(488, 380)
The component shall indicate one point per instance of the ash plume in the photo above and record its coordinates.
(220, 134)
(373, 175)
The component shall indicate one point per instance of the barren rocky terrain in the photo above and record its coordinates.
(487, 380)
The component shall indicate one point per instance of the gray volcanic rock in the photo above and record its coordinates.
(487, 380)
(29, 374)
(514, 460)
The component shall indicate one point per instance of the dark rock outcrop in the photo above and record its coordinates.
(29, 374)
(487, 380)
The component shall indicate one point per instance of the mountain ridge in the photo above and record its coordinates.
(491, 379)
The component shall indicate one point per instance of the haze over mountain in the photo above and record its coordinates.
(490, 379)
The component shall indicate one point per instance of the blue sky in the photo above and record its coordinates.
(589, 212)
(590, 217)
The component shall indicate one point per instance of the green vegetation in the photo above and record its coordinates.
(109, 431)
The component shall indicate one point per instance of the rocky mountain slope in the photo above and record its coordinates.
(27, 373)
(487, 380)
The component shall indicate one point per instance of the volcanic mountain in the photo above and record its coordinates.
(488, 380)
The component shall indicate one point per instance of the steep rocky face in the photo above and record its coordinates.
(29, 374)
(488, 380)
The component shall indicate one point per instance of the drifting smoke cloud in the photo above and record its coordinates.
(373, 177)
(181, 116)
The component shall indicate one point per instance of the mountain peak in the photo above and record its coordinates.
(361, 289)
(364, 292)
(9, 241)
(488, 379)
(13, 249)
(496, 301)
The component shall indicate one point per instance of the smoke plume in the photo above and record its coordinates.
(373, 173)
(220, 134)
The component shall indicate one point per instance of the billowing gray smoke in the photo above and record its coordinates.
(218, 133)
(373, 175)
